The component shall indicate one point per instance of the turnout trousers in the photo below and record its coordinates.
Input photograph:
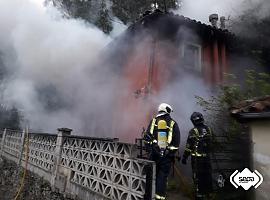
(163, 167)
(202, 176)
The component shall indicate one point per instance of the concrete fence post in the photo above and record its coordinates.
(57, 154)
(21, 148)
(3, 142)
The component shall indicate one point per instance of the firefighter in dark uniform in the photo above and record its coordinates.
(199, 146)
(163, 136)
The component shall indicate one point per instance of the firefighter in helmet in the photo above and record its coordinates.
(163, 136)
(199, 146)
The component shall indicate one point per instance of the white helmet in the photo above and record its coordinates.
(164, 107)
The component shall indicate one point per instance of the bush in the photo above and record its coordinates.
(217, 108)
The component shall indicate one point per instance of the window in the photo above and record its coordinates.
(191, 56)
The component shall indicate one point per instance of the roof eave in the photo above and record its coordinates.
(247, 117)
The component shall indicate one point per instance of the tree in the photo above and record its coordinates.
(129, 11)
(103, 19)
(92, 11)
(101, 13)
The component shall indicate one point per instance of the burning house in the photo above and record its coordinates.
(156, 51)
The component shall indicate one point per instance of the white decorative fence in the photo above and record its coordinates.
(89, 168)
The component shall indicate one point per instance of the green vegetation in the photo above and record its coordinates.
(229, 94)
(129, 10)
(103, 19)
(102, 12)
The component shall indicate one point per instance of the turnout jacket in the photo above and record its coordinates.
(199, 142)
(172, 131)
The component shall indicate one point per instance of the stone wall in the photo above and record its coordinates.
(87, 168)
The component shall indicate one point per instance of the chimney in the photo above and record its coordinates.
(213, 19)
(223, 23)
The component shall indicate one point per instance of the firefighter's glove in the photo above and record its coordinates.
(148, 138)
(184, 161)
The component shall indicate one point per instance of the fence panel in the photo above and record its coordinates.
(106, 167)
(41, 151)
(102, 167)
(12, 144)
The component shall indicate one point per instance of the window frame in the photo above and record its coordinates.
(198, 66)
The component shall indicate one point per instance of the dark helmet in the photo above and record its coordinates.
(197, 118)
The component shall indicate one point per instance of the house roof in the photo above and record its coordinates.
(258, 108)
(167, 24)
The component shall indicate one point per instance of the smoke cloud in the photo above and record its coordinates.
(201, 9)
(176, 84)
(52, 66)
(231, 9)
(57, 76)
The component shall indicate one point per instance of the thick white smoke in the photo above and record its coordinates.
(201, 9)
(231, 9)
(51, 59)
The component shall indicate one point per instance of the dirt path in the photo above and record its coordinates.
(175, 192)
(176, 196)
